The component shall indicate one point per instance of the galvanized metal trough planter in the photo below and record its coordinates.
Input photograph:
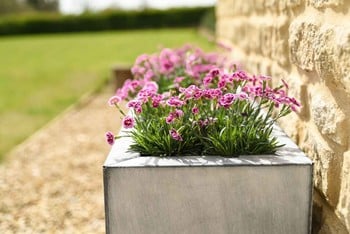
(205, 194)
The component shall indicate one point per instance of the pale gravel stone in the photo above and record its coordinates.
(52, 183)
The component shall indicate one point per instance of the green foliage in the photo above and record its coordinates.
(238, 131)
(151, 135)
(109, 20)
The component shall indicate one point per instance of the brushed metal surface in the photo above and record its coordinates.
(250, 194)
(243, 199)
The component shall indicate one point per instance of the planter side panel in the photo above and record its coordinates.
(240, 199)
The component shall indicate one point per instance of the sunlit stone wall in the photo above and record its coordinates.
(306, 43)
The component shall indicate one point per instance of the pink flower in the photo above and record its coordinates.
(128, 122)
(191, 91)
(175, 135)
(174, 115)
(133, 103)
(222, 83)
(143, 95)
(207, 80)
(156, 99)
(212, 93)
(134, 84)
(151, 86)
(175, 101)
(285, 84)
(195, 110)
(198, 93)
(166, 66)
(148, 76)
(224, 46)
(243, 96)
(136, 105)
(241, 75)
(141, 58)
(110, 138)
(281, 92)
(178, 113)
(122, 93)
(131, 85)
(179, 79)
(295, 102)
(229, 79)
(263, 77)
(214, 72)
(114, 100)
(227, 100)
(203, 123)
(170, 118)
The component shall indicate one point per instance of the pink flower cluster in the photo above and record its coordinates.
(197, 93)
(199, 87)
(174, 115)
(176, 66)
(278, 97)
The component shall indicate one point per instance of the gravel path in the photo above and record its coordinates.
(52, 183)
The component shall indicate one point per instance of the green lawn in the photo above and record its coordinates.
(42, 75)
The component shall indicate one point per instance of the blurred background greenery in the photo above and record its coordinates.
(42, 73)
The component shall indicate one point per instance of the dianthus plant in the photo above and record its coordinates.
(225, 113)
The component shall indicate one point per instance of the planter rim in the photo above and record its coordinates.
(289, 154)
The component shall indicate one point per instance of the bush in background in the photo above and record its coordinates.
(108, 20)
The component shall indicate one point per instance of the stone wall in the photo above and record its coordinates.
(306, 43)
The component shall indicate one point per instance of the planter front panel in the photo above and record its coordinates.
(241, 199)
(266, 194)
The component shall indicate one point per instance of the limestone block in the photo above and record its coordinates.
(243, 7)
(343, 208)
(332, 55)
(268, 4)
(281, 5)
(326, 3)
(292, 126)
(241, 31)
(342, 52)
(269, 35)
(273, 39)
(324, 56)
(252, 63)
(224, 29)
(280, 41)
(224, 8)
(301, 42)
(328, 117)
(289, 4)
(247, 7)
(327, 165)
